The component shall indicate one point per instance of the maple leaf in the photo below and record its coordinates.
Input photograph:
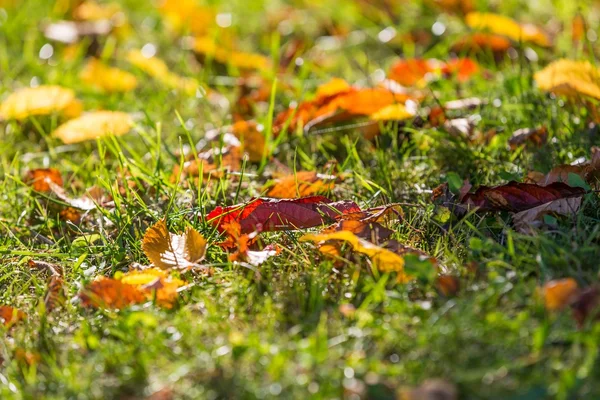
(570, 78)
(41, 100)
(94, 125)
(107, 79)
(166, 250)
(517, 197)
(505, 26)
(266, 214)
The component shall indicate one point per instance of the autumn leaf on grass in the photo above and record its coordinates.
(10, 316)
(110, 293)
(536, 136)
(94, 125)
(40, 179)
(517, 197)
(525, 221)
(413, 71)
(158, 69)
(184, 15)
(155, 283)
(90, 10)
(570, 78)
(41, 100)
(55, 294)
(559, 294)
(374, 232)
(587, 305)
(266, 214)
(166, 250)
(250, 135)
(239, 244)
(480, 42)
(501, 25)
(301, 184)
(383, 259)
(223, 54)
(107, 79)
(589, 171)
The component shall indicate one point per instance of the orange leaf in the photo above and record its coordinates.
(10, 315)
(505, 26)
(301, 184)
(560, 293)
(40, 178)
(110, 293)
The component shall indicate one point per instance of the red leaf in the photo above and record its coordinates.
(266, 214)
(516, 196)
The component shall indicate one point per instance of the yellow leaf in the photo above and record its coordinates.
(505, 26)
(158, 69)
(242, 60)
(333, 87)
(166, 250)
(187, 14)
(383, 259)
(92, 11)
(94, 125)
(570, 78)
(155, 280)
(107, 78)
(393, 112)
(42, 100)
(252, 138)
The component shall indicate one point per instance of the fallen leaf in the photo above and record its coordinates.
(371, 231)
(40, 179)
(158, 69)
(393, 112)
(301, 184)
(266, 214)
(517, 197)
(587, 305)
(383, 259)
(536, 136)
(10, 316)
(166, 250)
(55, 294)
(90, 10)
(94, 125)
(206, 47)
(156, 283)
(501, 25)
(462, 68)
(250, 135)
(570, 78)
(107, 79)
(480, 42)
(110, 293)
(447, 285)
(41, 100)
(413, 71)
(184, 15)
(589, 171)
(559, 294)
(525, 221)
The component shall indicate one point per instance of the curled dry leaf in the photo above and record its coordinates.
(107, 79)
(559, 294)
(517, 197)
(525, 221)
(501, 25)
(570, 78)
(301, 184)
(158, 69)
(535, 136)
(94, 125)
(266, 214)
(41, 100)
(383, 259)
(166, 250)
(55, 294)
(10, 316)
(40, 179)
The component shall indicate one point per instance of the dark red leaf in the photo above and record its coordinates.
(266, 214)
(515, 196)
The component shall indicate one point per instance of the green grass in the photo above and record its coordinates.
(280, 331)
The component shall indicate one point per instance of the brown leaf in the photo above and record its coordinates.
(517, 197)
(588, 171)
(166, 250)
(447, 285)
(535, 136)
(55, 294)
(525, 221)
(587, 305)
(10, 316)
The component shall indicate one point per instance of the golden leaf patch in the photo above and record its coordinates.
(94, 125)
(41, 100)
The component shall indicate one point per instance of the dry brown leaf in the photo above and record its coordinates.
(536, 136)
(167, 250)
(526, 221)
(10, 316)
(94, 125)
(55, 294)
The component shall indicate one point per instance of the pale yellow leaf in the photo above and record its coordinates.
(41, 100)
(108, 79)
(501, 25)
(570, 78)
(158, 69)
(94, 125)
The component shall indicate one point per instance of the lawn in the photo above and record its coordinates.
(447, 239)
